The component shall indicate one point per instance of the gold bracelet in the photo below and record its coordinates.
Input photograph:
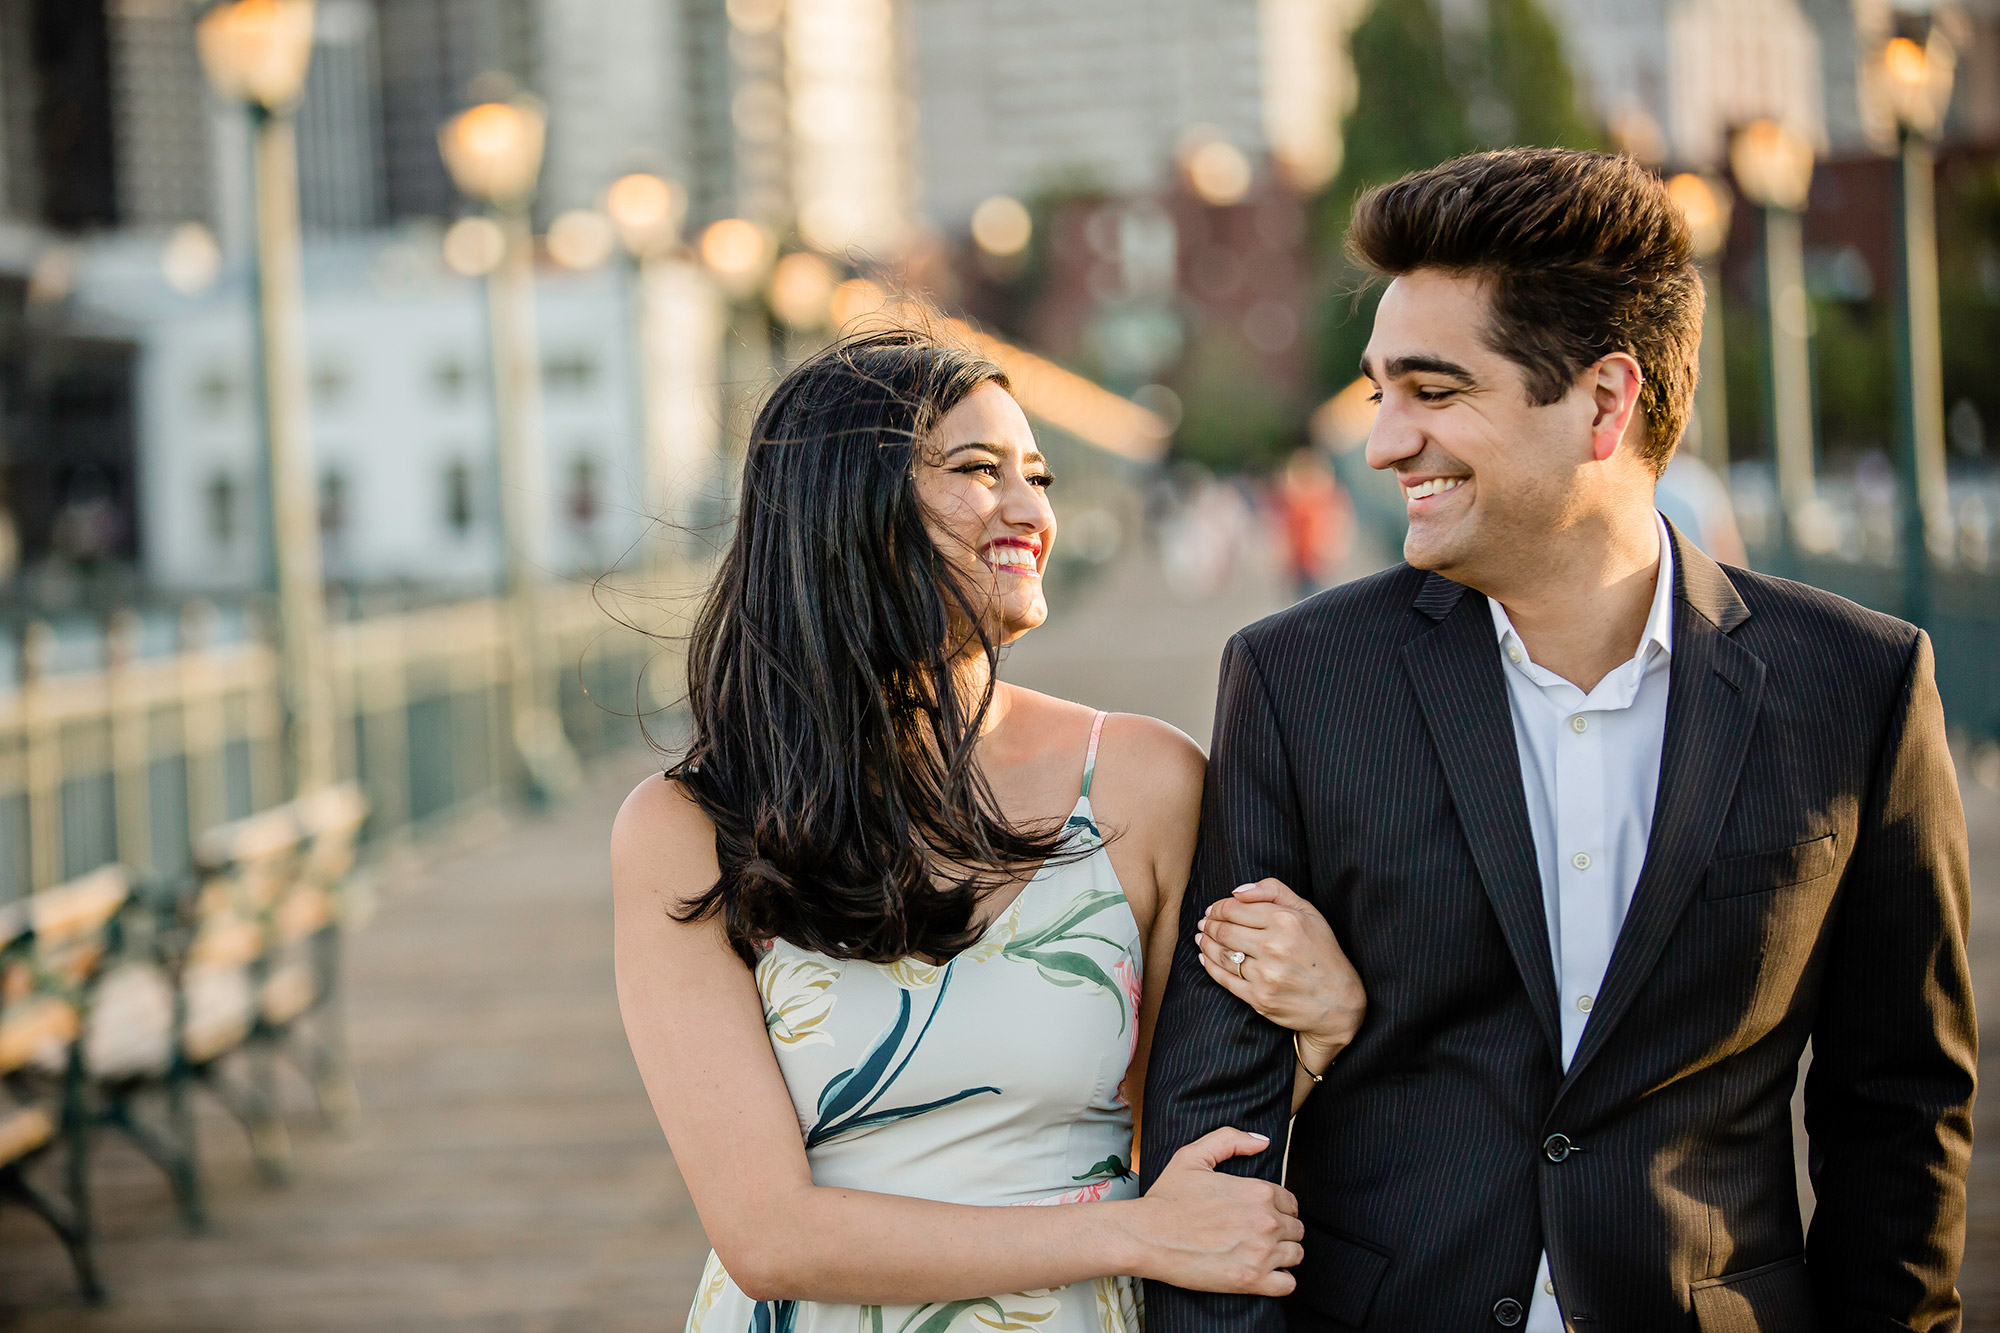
(1300, 1056)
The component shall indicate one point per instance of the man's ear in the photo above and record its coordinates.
(1614, 391)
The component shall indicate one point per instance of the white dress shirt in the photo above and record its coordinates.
(1590, 768)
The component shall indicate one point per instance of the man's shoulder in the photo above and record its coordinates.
(1811, 626)
(1364, 611)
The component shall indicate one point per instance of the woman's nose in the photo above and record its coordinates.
(1025, 506)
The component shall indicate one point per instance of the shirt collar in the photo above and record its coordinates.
(1656, 638)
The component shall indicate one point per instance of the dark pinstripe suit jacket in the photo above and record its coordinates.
(1805, 877)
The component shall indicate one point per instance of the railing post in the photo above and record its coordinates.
(41, 758)
(201, 722)
(131, 743)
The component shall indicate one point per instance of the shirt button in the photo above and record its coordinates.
(1514, 655)
(1581, 860)
(1583, 1002)
(1550, 1286)
(1579, 724)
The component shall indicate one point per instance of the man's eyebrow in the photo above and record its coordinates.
(1419, 364)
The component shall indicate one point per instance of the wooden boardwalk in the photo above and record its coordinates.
(507, 1173)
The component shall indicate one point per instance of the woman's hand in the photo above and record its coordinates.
(1207, 1231)
(1293, 970)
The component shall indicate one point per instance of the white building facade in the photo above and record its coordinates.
(402, 420)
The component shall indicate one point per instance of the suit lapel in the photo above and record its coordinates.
(1715, 690)
(1455, 669)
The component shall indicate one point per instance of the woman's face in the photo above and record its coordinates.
(984, 487)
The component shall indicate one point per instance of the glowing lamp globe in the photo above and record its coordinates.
(1773, 165)
(257, 50)
(494, 150)
(647, 212)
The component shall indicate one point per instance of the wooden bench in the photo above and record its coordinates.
(52, 948)
(242, 969)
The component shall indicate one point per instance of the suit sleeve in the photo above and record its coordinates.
(1215, 1061)
(1895, 1043)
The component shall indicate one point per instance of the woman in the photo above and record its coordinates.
(891, 937)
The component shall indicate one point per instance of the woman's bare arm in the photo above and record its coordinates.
(696, 1024)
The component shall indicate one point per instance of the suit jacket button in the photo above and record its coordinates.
(1507, 1312)
(1556, 1147)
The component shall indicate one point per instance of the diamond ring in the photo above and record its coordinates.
(1237, 956)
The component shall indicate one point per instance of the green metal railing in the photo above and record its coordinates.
(132, 762)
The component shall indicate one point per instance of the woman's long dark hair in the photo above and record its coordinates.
(832, 742)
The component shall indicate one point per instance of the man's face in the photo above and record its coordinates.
(1489, 479)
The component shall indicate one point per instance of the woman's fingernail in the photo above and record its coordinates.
(1255, 1135)
(1242, 888)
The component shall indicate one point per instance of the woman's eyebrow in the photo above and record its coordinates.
(1032, 456)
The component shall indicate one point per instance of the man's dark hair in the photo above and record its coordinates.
(1582, 255)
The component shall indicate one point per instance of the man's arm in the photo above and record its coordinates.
(1215, 1061)
(1895, 1044)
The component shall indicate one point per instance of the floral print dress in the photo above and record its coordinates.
(990, 1079)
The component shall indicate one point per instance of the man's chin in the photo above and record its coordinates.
(1428, 551)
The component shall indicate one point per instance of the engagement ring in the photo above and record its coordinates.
(1236, 956)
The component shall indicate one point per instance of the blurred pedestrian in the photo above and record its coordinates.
(891, 935)
(1697, 502)
(1612, 831)
(1316, 519)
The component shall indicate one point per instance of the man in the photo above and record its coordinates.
(1609, 831)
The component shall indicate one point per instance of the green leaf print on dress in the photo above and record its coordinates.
(845, 1101)
(1067, 967)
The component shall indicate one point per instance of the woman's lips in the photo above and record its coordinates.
(1014, 557)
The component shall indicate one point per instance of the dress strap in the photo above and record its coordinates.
(1090, 755)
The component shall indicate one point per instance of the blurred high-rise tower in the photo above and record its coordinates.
(799, 117)
(1025, 96)
(341, 186)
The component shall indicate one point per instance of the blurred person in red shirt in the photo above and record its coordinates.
(1317, 519)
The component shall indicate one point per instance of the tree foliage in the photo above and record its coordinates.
(1424, 94)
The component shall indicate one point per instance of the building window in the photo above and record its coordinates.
(571, 373)
(219, 503)
(583, 503)
(458, 497)
(450, 379)
(330, 384)
(332, 504)
(215, 391)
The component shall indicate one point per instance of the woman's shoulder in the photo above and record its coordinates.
(1135, 752)
(1154, 760)
(662, 842)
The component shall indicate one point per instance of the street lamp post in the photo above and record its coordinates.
(1918, 80)
(1705, 203)
(738, 254)
(257, 52)
(1774, 168)
(494, 154)
(677, 322)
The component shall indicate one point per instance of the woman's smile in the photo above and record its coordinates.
(1016, 555)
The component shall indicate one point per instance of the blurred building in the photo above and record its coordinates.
(402, 422)
(1025, 97)
(1673, 77)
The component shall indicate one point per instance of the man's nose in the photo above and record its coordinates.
(1391, 440)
